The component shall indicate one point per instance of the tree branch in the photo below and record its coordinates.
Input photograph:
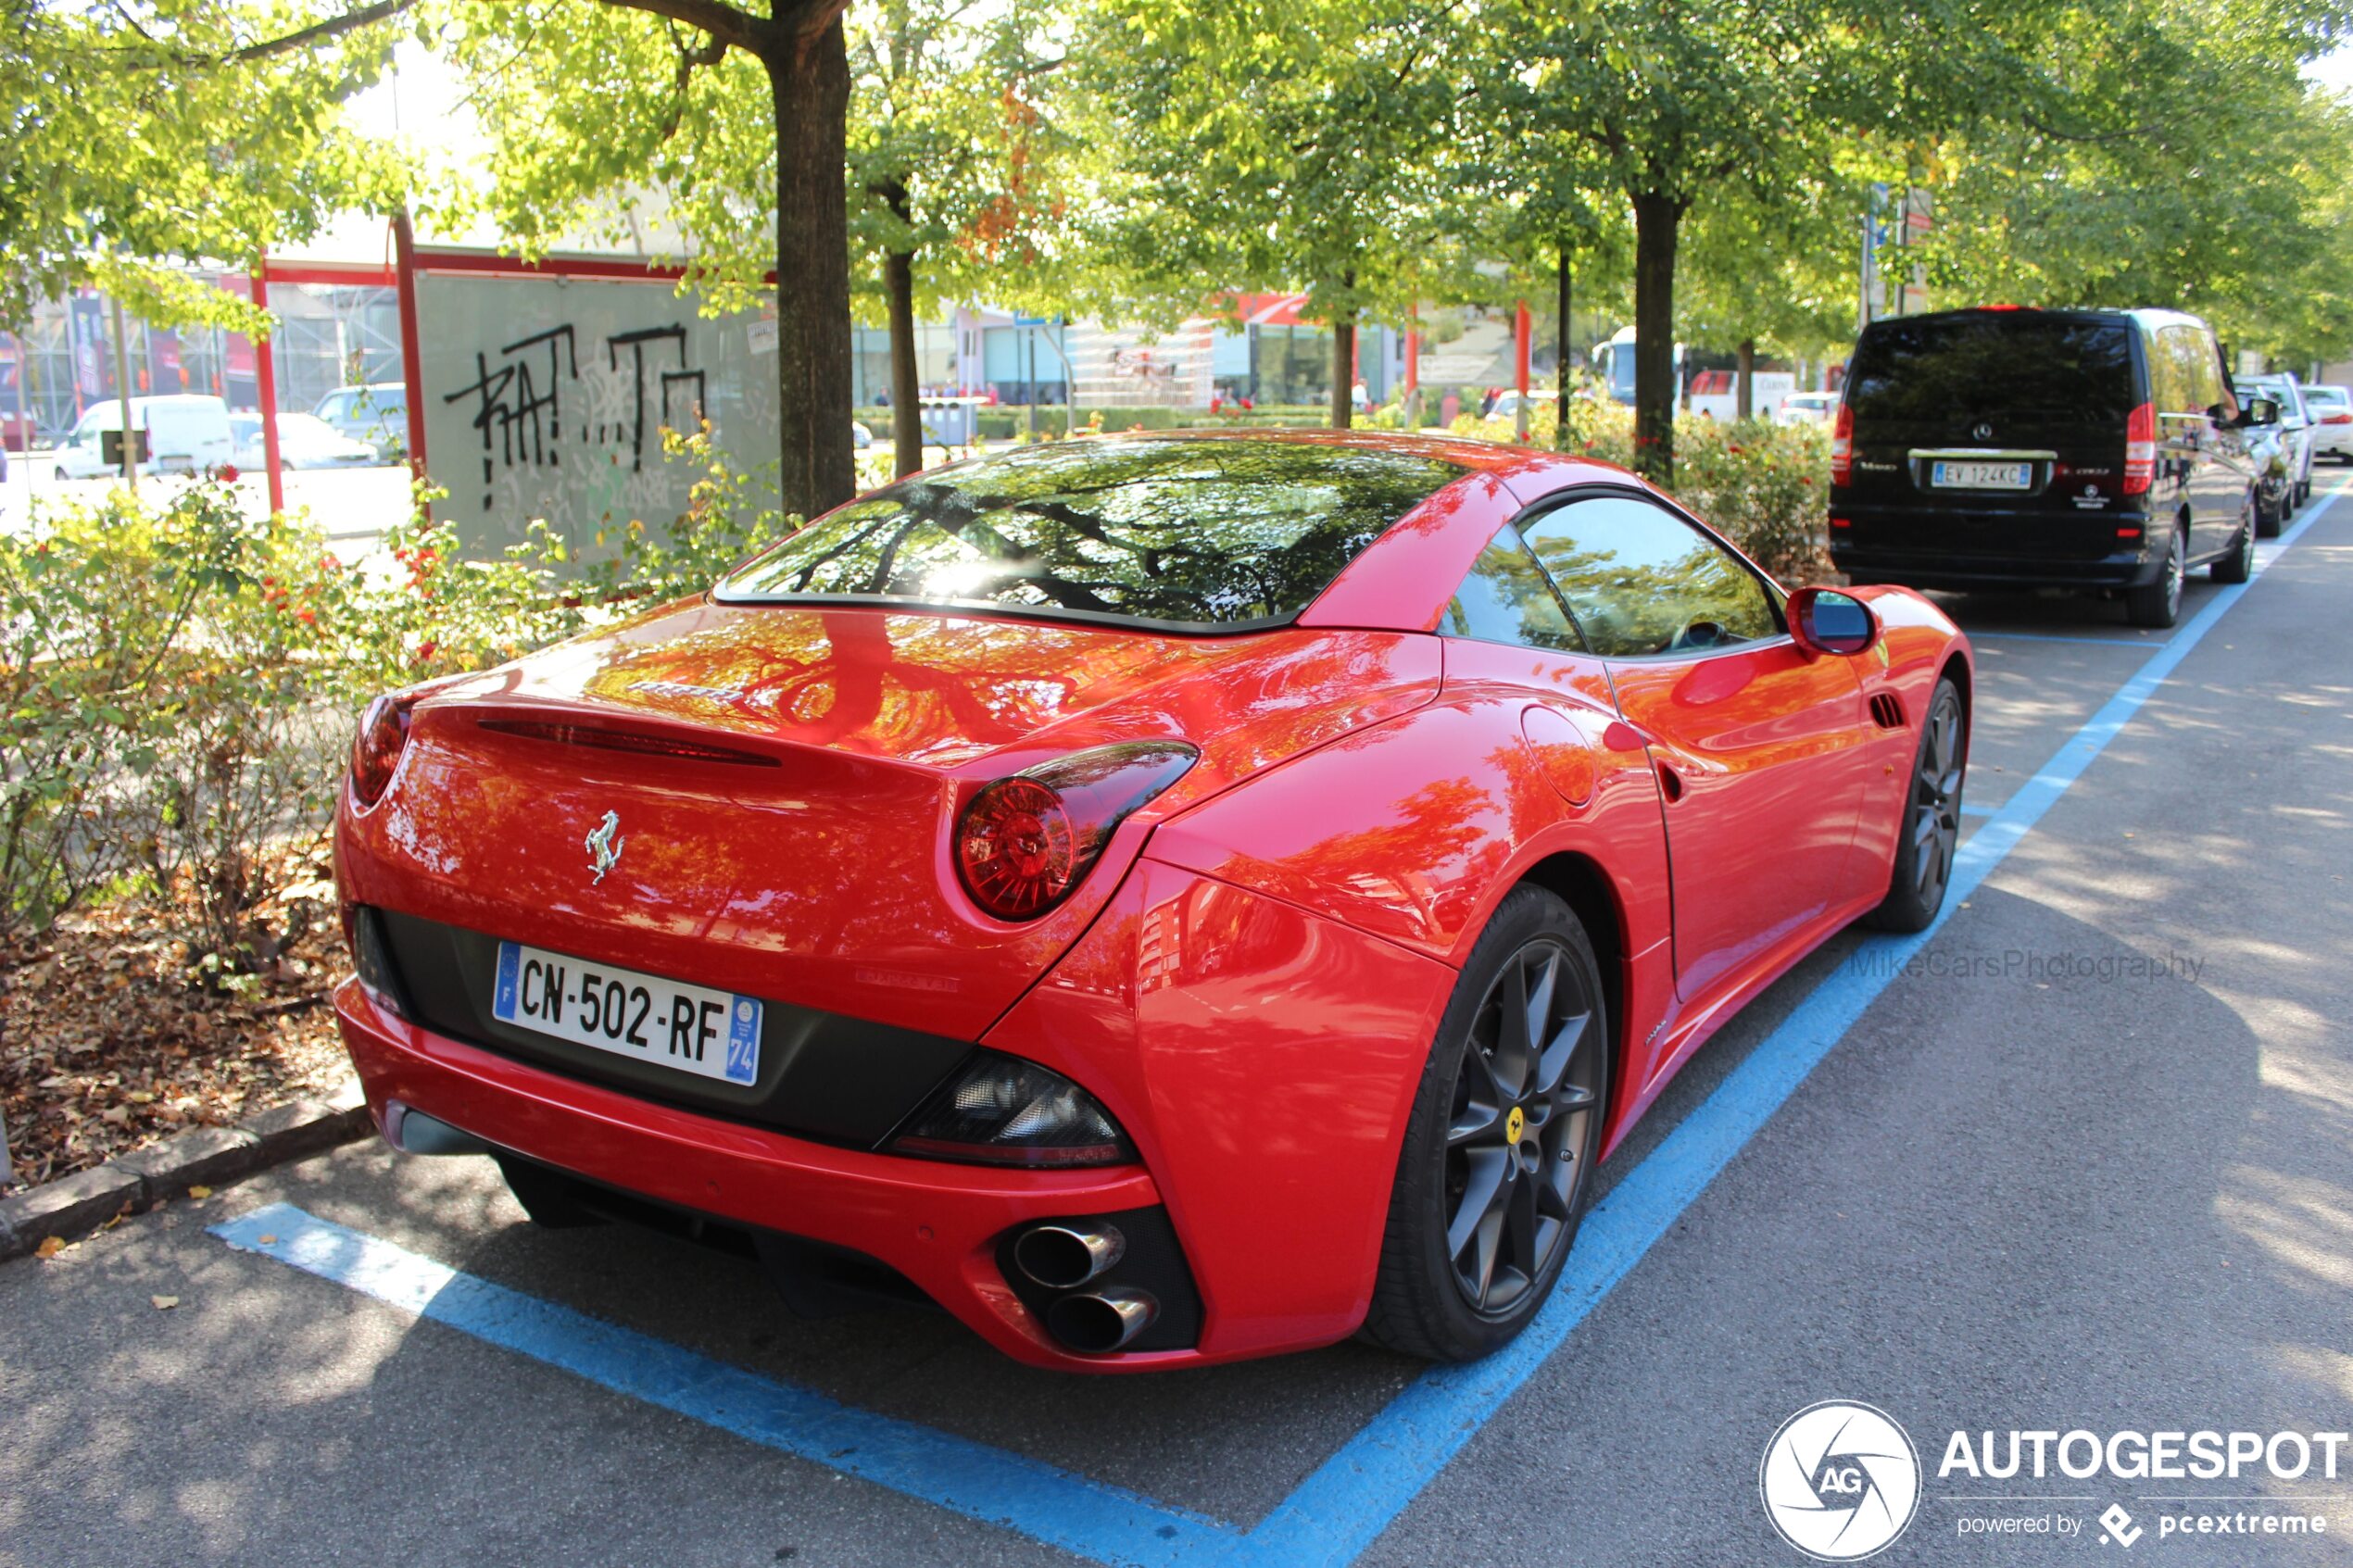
(724, 22)
(318, 31)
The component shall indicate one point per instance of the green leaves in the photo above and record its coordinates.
(137, 137)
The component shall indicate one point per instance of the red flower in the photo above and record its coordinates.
(228, 473)
(308, 618)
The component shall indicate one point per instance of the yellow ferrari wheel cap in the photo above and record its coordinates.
(1514, 1124)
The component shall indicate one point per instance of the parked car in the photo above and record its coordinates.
(185, 432)
(2296, 430)
(1168, 898)
(1807, 408)
(376, 413)
(304, 442)
(2331, 408)
(2284, 467)
(1997, 448)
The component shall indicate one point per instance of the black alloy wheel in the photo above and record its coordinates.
(1506, 1125)
(1526, 1084)
(1932, 829)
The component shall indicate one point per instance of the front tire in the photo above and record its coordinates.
(1932, 831)
(1495, 1171)
(2237, 564)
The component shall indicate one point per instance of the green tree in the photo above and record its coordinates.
(1248, 143)
(143, 136)
(950, 163)
(726, 121)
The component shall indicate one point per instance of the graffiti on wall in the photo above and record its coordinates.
(548, 400)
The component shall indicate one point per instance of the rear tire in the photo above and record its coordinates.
(2158, 605)
(1496, 1167)
(2237, 563)
(1931, 830)
(2267, 518)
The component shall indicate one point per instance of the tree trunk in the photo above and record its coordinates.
(1561, 340)
(1744, 396)
(1344, 366)
(906, 394)
(809, 82)
(1658, 223)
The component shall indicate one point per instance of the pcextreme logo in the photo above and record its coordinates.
(1840, 1481)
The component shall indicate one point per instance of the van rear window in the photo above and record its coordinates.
(2010, 363)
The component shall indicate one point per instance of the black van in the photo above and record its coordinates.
(1999, 447)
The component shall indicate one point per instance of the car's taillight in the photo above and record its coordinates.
(375, 750)
(1843, 446)
(2139, 448)
(2342, 416)
(1002, 1111)
(1022, 843)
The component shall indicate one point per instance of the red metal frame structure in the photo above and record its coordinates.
(265, 376)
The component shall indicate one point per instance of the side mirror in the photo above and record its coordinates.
(2260, 411)
(1826, 620)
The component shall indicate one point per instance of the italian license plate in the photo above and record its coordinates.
(668, 1022)
(1981, 476)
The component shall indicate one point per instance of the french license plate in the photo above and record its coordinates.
(668, 1022)
(1981, 476)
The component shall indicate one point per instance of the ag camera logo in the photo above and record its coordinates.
(1841, 1481)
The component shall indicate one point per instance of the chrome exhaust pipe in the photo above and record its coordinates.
(1064, 1257)
(1102, 1321)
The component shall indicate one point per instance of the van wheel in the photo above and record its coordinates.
(2237, 563)
(2158, 605)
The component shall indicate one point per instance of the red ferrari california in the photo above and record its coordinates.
(1166, 899)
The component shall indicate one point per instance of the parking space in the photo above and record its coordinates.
(2081, 1156)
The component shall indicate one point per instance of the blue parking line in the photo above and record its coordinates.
(989, 1484)
(1974, 808)
(1353, 1496)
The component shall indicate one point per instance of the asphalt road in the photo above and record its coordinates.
(2034, 1184)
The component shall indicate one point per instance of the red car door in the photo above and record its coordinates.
(1760, 752)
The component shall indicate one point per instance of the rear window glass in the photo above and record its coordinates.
(2008, 363)
(1202, 534)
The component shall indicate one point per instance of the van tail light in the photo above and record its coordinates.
(1022, 843)
(1842, 446)
(2140, 449)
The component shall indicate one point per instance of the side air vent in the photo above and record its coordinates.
(1888, 710)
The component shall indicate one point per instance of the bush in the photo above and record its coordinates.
(1764, 486)
(93, 600)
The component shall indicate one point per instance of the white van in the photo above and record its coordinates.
(185, 433)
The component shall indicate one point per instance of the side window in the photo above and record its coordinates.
(1640, 580)
(1505, 599)
(2170, 381)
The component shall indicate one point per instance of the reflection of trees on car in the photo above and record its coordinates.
(1192, 531)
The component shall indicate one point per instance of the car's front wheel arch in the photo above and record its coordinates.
(1580, 882)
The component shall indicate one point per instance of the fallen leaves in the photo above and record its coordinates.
(164, 1303)
(50, 1247)
(200, 1192)
(105, 1046)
